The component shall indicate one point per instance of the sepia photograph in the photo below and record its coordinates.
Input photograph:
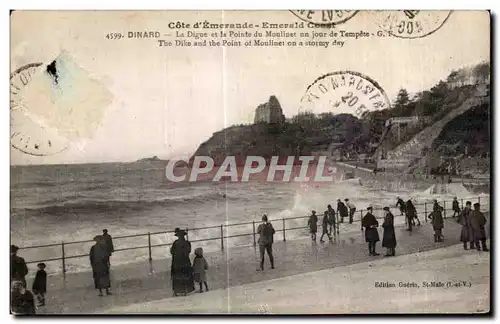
(240, 162)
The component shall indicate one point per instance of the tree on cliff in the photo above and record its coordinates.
(402, 104)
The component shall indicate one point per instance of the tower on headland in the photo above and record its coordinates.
(269, 112)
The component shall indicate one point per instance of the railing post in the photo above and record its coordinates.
(479, 200)
(149, 246)
(284, 236)
(462, 203)
(425, 211)
(254, 241)
(187, 234)
(63, 258)
(444, 208)
(338, 225)
(361, 218)
(221, 237)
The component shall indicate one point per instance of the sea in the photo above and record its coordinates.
(51, 204)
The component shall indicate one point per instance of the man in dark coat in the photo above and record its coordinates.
(411, 215)
(478, 221)
(401, 204)
(100, 268)
(324, 226)
(389, 238)
(108, 242)
(341, 210)
(455, 207)
(266, 232)
(437, 224)
(18, 268)
(331, 219)
(313, 225)
(181, 271)
(466, 234)
(370, 223)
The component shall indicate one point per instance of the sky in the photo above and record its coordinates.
(166, 101)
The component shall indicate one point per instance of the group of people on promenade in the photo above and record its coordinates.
(24, 301)
(184, 274)
(473, 224)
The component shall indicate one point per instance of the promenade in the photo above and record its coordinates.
(142, 282)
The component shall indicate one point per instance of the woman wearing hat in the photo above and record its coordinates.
(370, 223)
(389, 239)
(100, 267)
(181, 271)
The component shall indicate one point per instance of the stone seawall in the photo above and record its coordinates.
(399, 181)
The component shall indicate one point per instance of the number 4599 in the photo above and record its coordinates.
(114, 35)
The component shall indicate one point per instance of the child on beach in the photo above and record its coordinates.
(200, 266)
(40, 284)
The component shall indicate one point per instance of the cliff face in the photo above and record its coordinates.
(260, 139)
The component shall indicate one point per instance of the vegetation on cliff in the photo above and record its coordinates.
(306, 132)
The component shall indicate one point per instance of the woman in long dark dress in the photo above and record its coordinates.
(100, 267)
(389, 240)
(181, 270)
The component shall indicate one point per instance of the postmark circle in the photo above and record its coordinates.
(411, 23)
(325, 17)
(344, 92)
(27, 133)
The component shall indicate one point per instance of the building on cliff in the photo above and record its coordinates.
(269, 112)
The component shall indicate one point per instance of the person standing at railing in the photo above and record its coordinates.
(108, 242)
(181, 271)
(352, 209)
(456, 207)
(324, 227)
(200, 267)
(411, 215)
(39, 287)
(313, 225)
(266, 232)
(436, 217)
(402, 206)
(331, 220)
(341, 210)
(389, 239)
(466, 234)
(370, 223)
(18, 268)
(100, 269)
(478, 221)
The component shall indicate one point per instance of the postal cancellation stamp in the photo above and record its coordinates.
(411, 23)
(325, 17)
(344, 91)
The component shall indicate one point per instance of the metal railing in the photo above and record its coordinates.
(427, 208)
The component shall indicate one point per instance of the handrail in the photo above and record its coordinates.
(222, 237)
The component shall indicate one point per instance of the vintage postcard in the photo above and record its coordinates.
(250, 162)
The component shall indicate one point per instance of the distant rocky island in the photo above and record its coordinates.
(151, 159)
